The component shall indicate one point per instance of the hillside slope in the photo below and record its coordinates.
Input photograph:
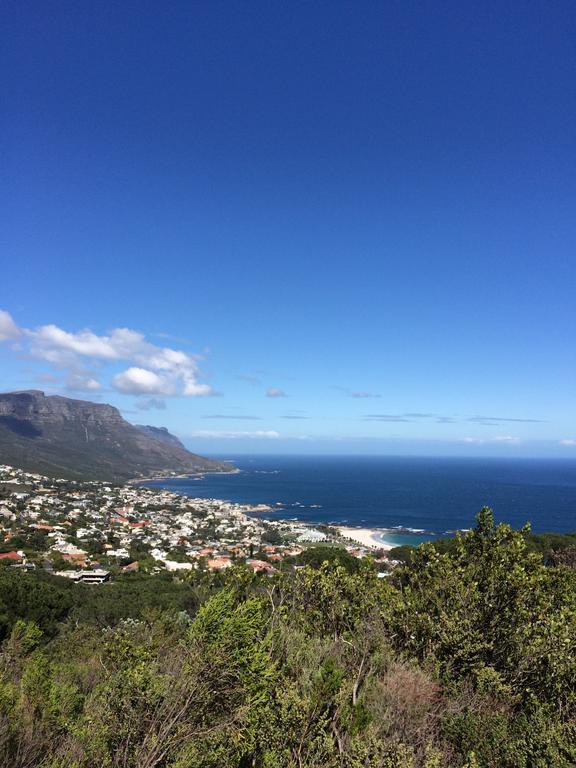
(161, 434)
(77, 439)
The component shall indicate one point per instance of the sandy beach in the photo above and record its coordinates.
(367, 537)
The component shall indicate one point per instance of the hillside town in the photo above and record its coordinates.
(91, 532)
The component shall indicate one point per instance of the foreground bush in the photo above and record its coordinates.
(461, 659)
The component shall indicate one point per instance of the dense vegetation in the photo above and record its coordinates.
(459, 659)
(554, 547)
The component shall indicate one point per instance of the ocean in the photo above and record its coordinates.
(425, 497)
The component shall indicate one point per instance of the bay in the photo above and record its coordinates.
(430, 496)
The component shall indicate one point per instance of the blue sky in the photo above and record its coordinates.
(328, 227)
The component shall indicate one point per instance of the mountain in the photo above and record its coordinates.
(160, 433)
(77, 439)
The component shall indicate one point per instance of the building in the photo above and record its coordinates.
(98, 576)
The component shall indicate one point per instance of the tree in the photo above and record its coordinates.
(317, 556)
(492, 605)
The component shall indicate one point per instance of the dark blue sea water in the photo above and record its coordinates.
(433, 495)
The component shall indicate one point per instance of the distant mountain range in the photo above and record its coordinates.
(77, 439)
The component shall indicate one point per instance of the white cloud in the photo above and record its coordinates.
(140, 381)
(8, 328)
(80, 383)
(275, 392)
(52, 343)
(568, 443)
(193, 389)
(502, 439)
(259, 434)
(152, 369)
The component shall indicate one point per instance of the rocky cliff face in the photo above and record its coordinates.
(160, 433)
(33, 405)
(62, 437)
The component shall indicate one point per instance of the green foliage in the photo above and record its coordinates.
(331, 601)
(548, 545)
(271, 535)
(463, 659)
(318, 555)
(131, 596)
(492, 603)
(24, 638)
(24, 596)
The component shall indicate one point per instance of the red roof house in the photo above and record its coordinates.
(11, 556)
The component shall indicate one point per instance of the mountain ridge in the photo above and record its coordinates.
(161, 434)
(79, 439)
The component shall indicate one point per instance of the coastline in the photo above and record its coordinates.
(369, 538)
(192, 475)
(387, 488)
(366, 537)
